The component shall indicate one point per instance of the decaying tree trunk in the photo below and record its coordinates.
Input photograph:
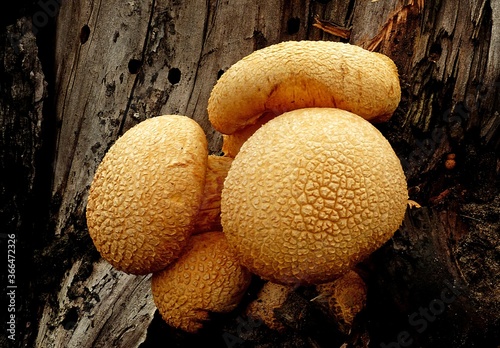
(71, 85)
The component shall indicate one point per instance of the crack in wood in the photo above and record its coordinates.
(398, 18)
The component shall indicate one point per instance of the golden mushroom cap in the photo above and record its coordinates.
(206, 278)
(146, 193)
(300, 74)
(310, 194)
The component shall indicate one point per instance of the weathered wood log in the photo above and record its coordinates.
(110, 65)
(23, 91)
(115, 309)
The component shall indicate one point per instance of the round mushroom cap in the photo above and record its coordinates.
(310, 194)
(146, 193)
(206, 278)
(302, 74)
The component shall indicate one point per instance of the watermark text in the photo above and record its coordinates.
(420, 319)
(11, 286)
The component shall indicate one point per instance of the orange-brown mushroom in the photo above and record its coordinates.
(345, 298)
(153, 189)
(206, 278)
(208, 218)
(301, 74)
(310, 194)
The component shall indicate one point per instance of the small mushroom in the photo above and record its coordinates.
(310, 194)
(301, 74)
(345, 298)
(270, 297)
(450, 162)
(231, 143)
(150, 190)
(206, 278)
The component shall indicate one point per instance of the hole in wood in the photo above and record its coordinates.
(293, 25)
(70, 319)
(134, 65)
(84, 34)
(219, 73)
(435, 52)
(174, 76)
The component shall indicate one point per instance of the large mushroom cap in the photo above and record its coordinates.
(300, 74)
(146, 193)
(310, 194)
(206, 278)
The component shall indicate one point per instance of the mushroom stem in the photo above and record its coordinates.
(208, 218)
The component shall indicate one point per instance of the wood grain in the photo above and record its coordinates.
(117, 63)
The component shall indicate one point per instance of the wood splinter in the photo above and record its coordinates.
(331, 28)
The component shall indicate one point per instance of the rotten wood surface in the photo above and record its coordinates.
(111, 64)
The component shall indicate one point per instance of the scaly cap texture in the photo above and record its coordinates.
(300, 74)
(206, 278)
(310, 194)
(208, 218)
(146, 193)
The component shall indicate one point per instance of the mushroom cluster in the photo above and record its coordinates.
(317, 189)
(306, 189)
(154, 207)
(301, 74)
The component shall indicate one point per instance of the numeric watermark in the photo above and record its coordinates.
(11, 286)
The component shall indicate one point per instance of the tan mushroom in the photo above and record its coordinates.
(312, 193)
(231, 143)
(272, 296)
(301, 74)
(345, 298)
(206, 278)
(149, 194)
(208, 218)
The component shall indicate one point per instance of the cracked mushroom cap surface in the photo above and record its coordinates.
(206, 278)
(310, 194)
(300, 74)
(146, 193)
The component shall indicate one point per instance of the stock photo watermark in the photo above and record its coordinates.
(459, 114)
(420, 320)
(244, 327)
(11, 286)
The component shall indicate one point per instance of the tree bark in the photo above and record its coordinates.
(72, 86)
